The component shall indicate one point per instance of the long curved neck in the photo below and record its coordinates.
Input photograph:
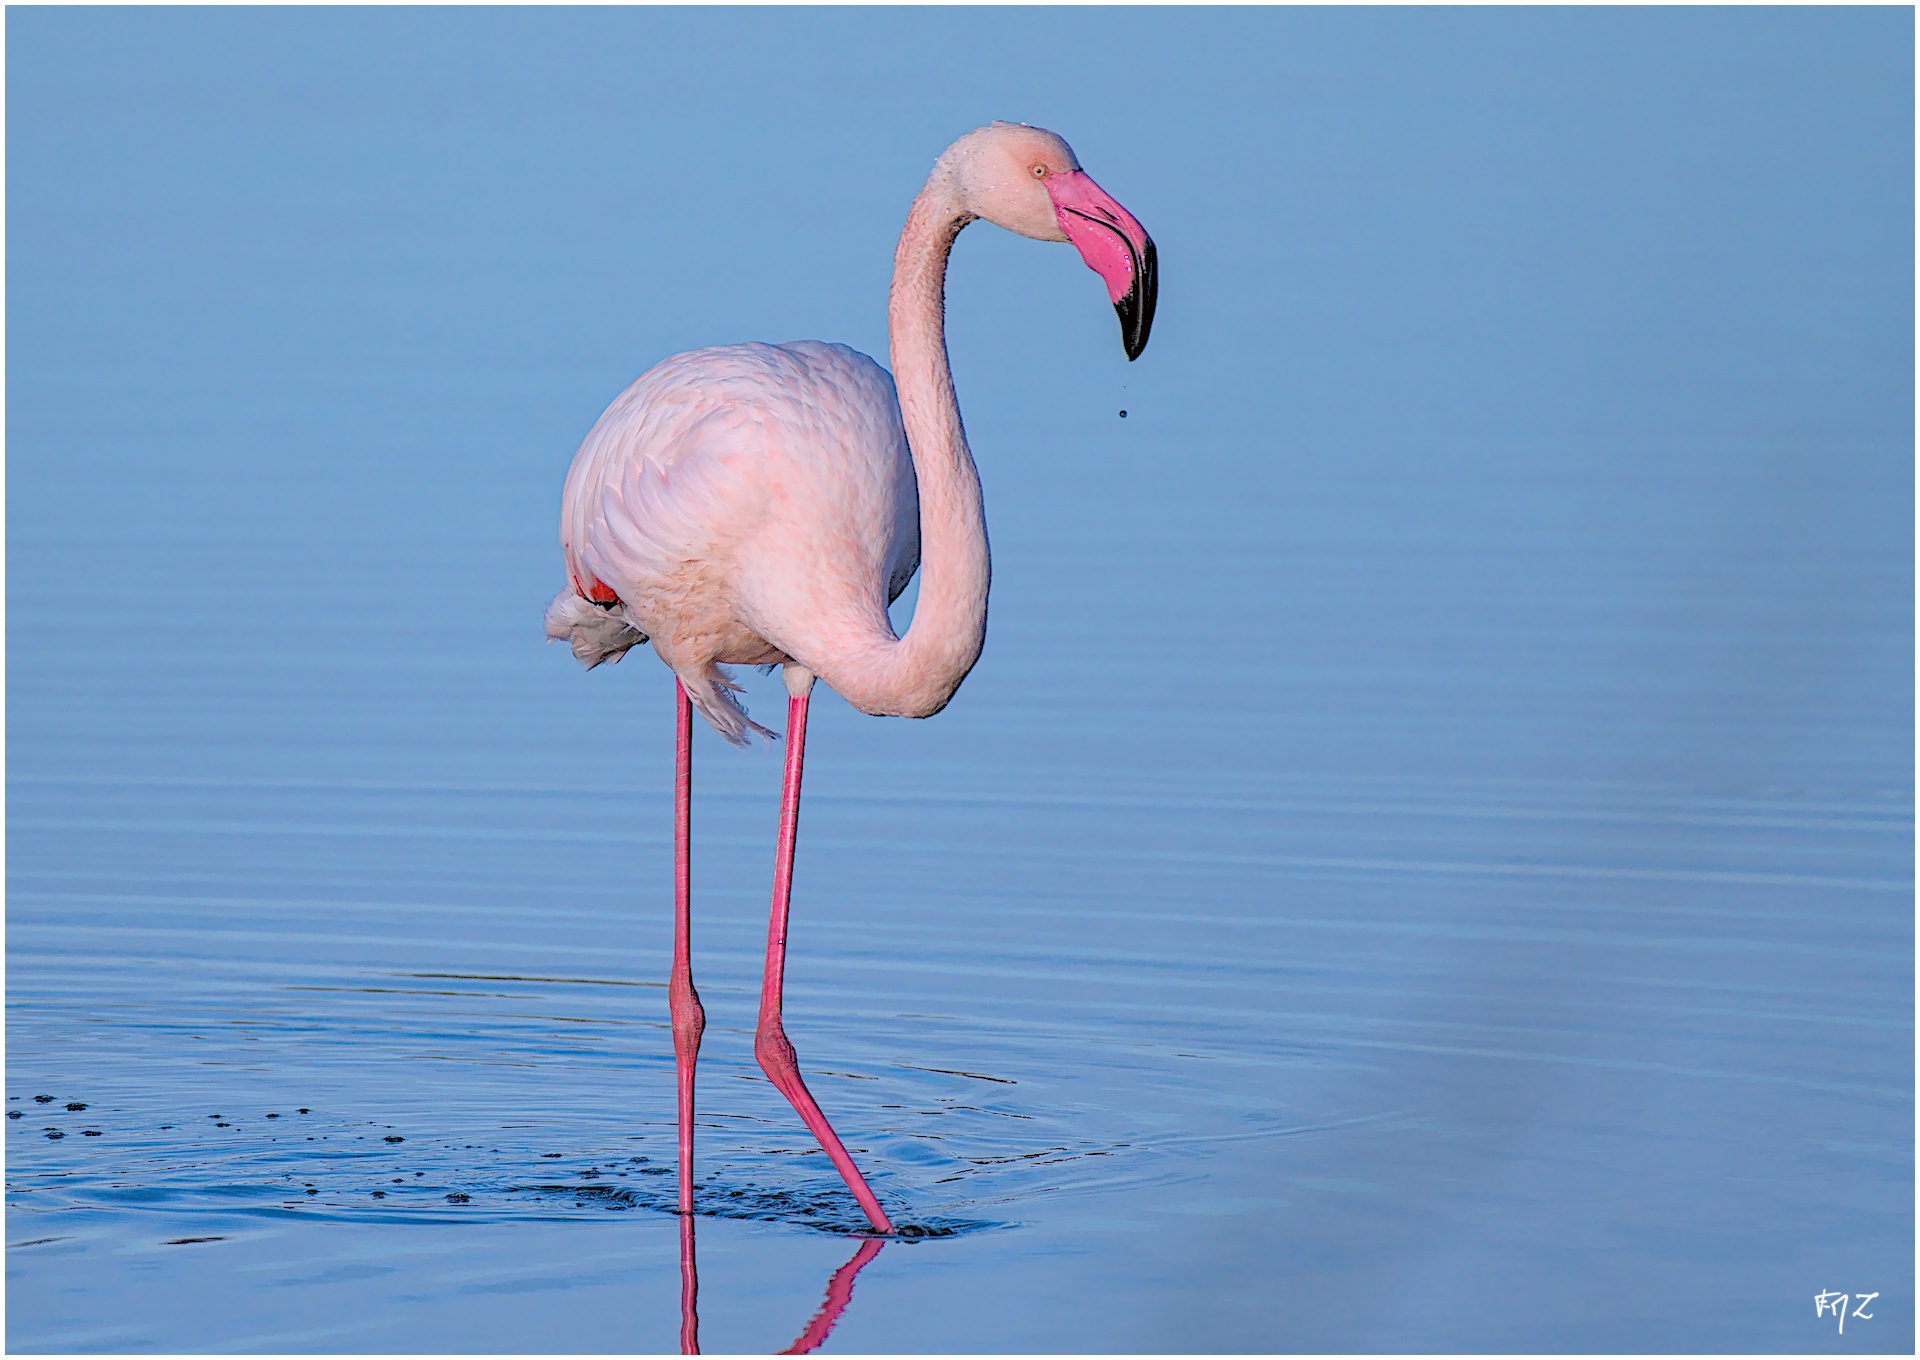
(917, 675)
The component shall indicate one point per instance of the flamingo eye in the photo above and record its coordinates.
(1039, 172)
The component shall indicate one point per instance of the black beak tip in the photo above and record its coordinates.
(1136, 308)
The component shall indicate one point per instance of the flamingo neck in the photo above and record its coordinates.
(916, 676)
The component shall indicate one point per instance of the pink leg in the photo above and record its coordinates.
(839, 1291)
(770, 1044)
(682, 1001)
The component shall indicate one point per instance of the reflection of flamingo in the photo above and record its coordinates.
(764, 504)
(689, 1289)
(839, 1293)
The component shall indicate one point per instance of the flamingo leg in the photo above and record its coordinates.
(770, 1043)
(683, 1002)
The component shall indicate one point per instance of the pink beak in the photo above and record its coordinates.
(1115, 246)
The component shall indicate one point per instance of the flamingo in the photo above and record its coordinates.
(763, 504)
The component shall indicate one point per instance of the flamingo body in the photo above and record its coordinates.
(750, 504)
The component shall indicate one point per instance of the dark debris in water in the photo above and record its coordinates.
(826, 1212)
(241, 1172)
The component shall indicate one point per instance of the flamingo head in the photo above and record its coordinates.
(1028, 181)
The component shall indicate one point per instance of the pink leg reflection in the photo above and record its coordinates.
(839, 1294)
(839, 1290)
(689, 1291)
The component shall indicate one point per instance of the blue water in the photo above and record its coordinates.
(1425, 861)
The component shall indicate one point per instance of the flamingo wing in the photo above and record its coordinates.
(729, 501)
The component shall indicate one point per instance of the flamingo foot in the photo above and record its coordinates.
(782, 1066)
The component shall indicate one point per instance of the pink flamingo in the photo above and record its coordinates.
(764, 504)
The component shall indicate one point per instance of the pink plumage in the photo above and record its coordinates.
(763, 504)
(750, 504)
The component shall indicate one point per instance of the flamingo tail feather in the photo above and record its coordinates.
(595, 634)
(712, 694)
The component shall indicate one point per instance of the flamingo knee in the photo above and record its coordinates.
(689, 1019)
(776, 1056)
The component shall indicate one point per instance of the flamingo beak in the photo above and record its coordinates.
(1115, 246)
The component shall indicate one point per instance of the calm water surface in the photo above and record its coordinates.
(1425, 862)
